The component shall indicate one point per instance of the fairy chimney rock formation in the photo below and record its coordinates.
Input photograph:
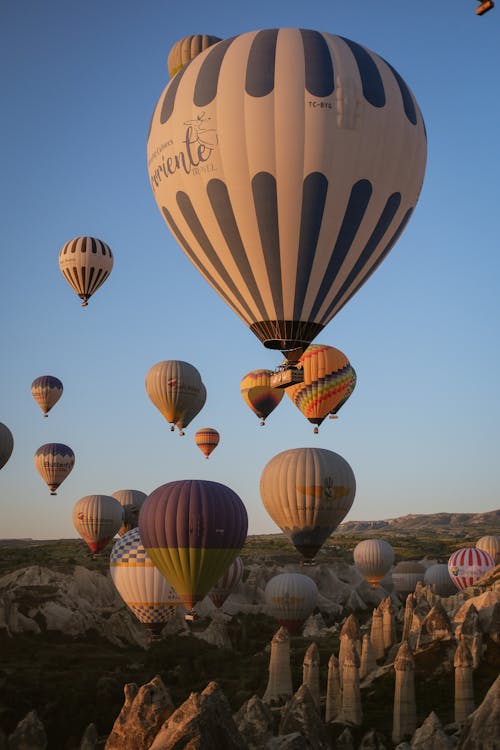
(351, 694)
(368, 662)
(388, 622)
(405, 714)
(255, 723)
(436, 626)
(431, 736)
(204, 720)
(301, 715)
(310, 672)
(279, 686)
(464, 689)
(333, 703)
(377, 634)
(29, 734)
(481, 728)
(408, 616)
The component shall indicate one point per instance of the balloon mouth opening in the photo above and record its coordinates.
(289, 336)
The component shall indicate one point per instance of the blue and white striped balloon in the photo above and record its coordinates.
(287, 163)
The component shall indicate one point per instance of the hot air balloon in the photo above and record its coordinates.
(257, 393)
(286, 163)
(438, 578)
(290, 599)
(85, 263)
(176, 389)
(352, 386)
(192, 530)
(467, 565)
(207, 439)
(327, 384)
(140, 584)
(406, 575)
(46, 390)
(131, 502)
(6, 444)
(307, 492)
(373, 558)
(227, 582)
(54, 461)
(97, 518)
(186, 50)
(491, 545)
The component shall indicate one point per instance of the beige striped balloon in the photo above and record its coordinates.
(85, 263)
(97, 518)
(176, 389)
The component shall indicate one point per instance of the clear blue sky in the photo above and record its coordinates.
(421, 431)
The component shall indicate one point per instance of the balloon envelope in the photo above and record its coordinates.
(6, 444)
(186, 50)
(438, 578)
(97, 519)
(227, 582)
(290, 599)
(307, 492)
(328, 382)
(85, 263)
(255, 388)
(286, 162)
(46, 390)
(373, 558)
(207, 439)
(54, 461)
(131, 502)
(490, 544)
(406, 575)
(192, 530)
(467, 565)
(176, 389)
(140, 584)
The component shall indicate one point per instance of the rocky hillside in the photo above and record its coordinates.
(470, 525)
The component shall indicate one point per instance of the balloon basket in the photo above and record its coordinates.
(191, 616)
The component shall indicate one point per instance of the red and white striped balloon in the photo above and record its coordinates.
(467, 565)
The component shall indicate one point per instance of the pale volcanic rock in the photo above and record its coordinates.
(481, 730)
(301, 715)
(216, 634)
(315, 627)
(29, 734)
(333, 702)
(255, 723)
(431, 736)
(143, 713)
(203, 721)
(89, 738)
(484, 604)
(373, 740)
(310, 672)
(38, 599)
(436, 626)
(279, 685)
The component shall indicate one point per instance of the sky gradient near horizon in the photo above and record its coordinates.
(421, 430)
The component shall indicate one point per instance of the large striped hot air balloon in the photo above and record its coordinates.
(192, 530)
(207, 439)
(140, 584)
(46, 390)
(467, 565)
(6, 444)
(328, 382)
(131, 502)
(85, 263)
(97, 519)
(373, 558)
(490, 544)
(290, 599)
(287, 163)
(307, 492)
(54, 461)
(257, 393)
(227, 582)
(176, 389)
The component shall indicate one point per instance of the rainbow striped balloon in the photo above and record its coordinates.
(467, 565)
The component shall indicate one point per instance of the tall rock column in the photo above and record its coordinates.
(310, 672)
(279, 687)
(405, 712)
(349, 634)
(388, 622)
(408, 617)
(333, 690)
(368, 663)
(377, 634)
(464, 690)
(351, 694)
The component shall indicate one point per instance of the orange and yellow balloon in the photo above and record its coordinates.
(207, 439)
(258, 395)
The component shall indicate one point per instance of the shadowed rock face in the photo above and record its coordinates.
(255, 723)
(143, 713)
(203, 721)
(29, 734)
(301, 715)
(481, 730)
(431, 736)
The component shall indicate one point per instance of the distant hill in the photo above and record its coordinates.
(452, 524)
